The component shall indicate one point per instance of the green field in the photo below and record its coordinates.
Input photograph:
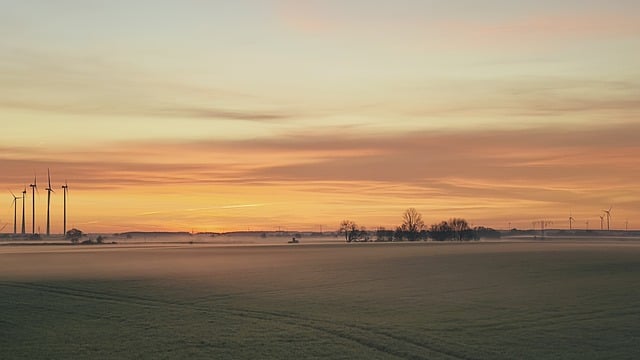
(419, 301)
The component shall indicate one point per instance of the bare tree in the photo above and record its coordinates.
(455, 229)
(441, 231)
(350, 230)
(461, 229)
(412, 224)
(383, 234)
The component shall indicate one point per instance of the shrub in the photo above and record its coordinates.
(74, 235)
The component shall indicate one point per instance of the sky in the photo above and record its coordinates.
(197, 115)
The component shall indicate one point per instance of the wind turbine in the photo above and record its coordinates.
(65, 192)
(607, 213)
(49, 191)
(543, 224)
(571, 221)
(24, 198)
(33, 200)
(601, 222)
(15, 212)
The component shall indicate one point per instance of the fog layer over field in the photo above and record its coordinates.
(477, 300)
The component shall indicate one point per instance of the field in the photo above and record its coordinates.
(520, 300)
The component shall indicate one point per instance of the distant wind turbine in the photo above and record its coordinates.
(15, 212)
(65, 192)
(543, 224)
(49, 191)
(33, 187)
(607, 213)
(24, 199)
(601, 222)
(571, 221)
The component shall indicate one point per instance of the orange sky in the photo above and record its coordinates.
(296, 115)
(308, 181)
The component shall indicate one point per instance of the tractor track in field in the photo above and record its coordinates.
(431, 348)
(569, 317)
(382, 341)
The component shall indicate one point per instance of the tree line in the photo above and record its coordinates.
(413, 228)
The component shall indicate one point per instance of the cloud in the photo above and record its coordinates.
(556, 97)
(484, 175)
(544, 153)
(528, 32)
(448, 27)
(211, 113)
(48, 83)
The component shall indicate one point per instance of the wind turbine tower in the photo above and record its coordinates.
(24, 198)
(49, 191)
(33, 187)
(601, 222)
(15, 212)
(607, 213)
(543, 224)
(571, 221)
(65, 191)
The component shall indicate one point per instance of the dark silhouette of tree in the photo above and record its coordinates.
(74, 235)
(441, 231)
(351, 231)
(454, 229)
(398, 235)
(461, 229)
(412, 224)
(383, 234)
(487, 233)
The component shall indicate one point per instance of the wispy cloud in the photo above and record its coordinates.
(217, 114)
(58, 84)
(483, 175)
(538, 157)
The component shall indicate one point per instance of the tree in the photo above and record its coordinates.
(74, 235)
(461, 229)
(383, 234)
(398, 235)
(441, 231)
(454, 229)
(412, 224)
(485, 232)
(351, 230)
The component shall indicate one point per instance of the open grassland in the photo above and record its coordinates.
(420, 301)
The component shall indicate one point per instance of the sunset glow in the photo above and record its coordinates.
(220, 115)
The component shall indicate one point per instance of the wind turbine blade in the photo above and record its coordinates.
(49, 177)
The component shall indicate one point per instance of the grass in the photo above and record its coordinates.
(422, 301)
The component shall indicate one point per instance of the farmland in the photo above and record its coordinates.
(503, 300)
